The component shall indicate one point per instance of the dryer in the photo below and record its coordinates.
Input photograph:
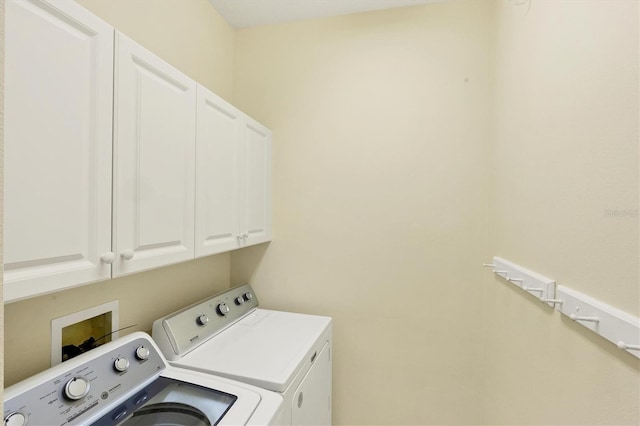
(229, 335)
(128, 382)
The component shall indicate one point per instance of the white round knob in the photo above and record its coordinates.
(15, 419)
(247, 296)
(108, 257)
(202, 319)
(121, 364)
(142, 353)
(239, 300)
(77, 388)
(223, 309)
(127, 254)
(245, 236)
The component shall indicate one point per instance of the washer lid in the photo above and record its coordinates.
(169, 401)
(266, 348)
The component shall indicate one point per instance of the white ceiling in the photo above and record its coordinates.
(251, 13)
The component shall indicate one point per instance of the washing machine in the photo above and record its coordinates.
(128, 382)
(228, 335)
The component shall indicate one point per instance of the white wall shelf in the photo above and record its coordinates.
(537, 285)
(613, 324)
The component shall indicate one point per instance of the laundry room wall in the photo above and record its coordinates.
(1, 193)
(564, 203)
(192, 37)
(380, 125)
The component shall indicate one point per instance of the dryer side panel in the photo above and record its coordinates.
(311, 402)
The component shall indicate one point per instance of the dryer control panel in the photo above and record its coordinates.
(180, 332)
(79, 389)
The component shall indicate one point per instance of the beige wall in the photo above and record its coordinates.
(380, 134)
(1, 192)
(192, 37)
(564, 161)
(398, 141)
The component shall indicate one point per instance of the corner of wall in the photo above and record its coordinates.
(1, 194)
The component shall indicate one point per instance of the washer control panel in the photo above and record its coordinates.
(72, 392)
(186, 329)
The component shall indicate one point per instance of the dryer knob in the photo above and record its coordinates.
(247, 296)
(202, 319)
(239, 300)
(223, 309)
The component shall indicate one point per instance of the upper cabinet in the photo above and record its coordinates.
(255, 221)
(57, 166)
(100, 175)
(154, 167)
(233, 177)
(217, 174)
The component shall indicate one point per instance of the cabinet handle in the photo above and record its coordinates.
(127, 254)
(245, 236)
(108, 257)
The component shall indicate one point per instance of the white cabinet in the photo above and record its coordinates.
(233, 177)
(154, 168)
(217, 174)
(57, 165)
(100, 166)
(255, 180)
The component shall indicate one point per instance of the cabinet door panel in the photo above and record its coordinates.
(155, 149)
(256, 183)
(217, 167)
(58, 104)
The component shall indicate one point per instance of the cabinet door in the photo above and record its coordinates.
(311, 404)
(255, 221)
(57, 166)
(154, 148)
(217, 174)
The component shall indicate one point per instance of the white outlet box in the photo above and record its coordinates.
(58, 324)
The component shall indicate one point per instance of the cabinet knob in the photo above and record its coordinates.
(245, 236)
(127, 254)
(108, 257)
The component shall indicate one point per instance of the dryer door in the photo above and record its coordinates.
(311, 404)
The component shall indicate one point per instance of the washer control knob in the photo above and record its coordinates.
(239, 300)
(77, 388)
(223, 309)
(202, 319)
(121, 364)
(15, 419)
(247, 296)
(142, 353)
